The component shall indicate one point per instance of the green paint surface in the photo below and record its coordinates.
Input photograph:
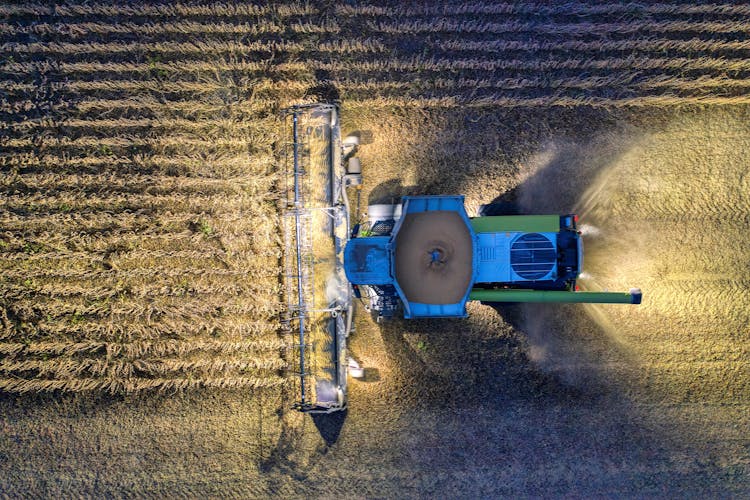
(516, 223)
(514, 295)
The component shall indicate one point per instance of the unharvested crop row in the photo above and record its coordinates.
(633, 63)
(627, 81)
(638, 62)
(122, 286)
(196, 48)
(359, 69)
(124, 222)
(77, 263)
(448, 25)
(135, 182)
(73, 30)
(183, 309)
(146, 273)
(652, 44)
(98, 222)
(222, 334)
(195, 202)
(502, 100)
(229, 162)
(170, 143)
(204, 109)
(196, 235)
(130, 385)
(624, 82)
(209, 366)
(67, 367)
(148, 68)
(103, 328)
(219, 49)
(241, 130)
(161, 348)
(579, 9)
(131, 87)
(76, 29)
(170, 10)
(137, 290)
(73, 334)
(91, 234)
(181, 48)
(194, 68)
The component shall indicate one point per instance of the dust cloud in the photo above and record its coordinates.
(667, 212)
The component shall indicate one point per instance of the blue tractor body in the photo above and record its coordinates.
(434, 259)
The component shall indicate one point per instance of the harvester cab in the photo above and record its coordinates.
(423, 257)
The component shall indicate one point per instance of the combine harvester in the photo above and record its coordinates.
(421, 258)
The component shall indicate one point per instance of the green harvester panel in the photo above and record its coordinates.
(516, 224)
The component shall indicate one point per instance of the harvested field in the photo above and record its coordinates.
(141, 248)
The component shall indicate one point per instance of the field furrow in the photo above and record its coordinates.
(141, 349)
(651, 44)
(628, 82)
(573, 9)
(177, 9)
(69, 49)
(229, 165)
(502, 100)
(232, 333)
(647, 57)
(48, 182)
(448, 25)
(74, 30)
(130, 385)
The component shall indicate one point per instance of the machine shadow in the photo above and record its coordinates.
(388, 191)
(533, 160)
(323, 90)
(329, 425)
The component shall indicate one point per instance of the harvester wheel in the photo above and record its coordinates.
(350, 144)
(350, 141)
(355, 370)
